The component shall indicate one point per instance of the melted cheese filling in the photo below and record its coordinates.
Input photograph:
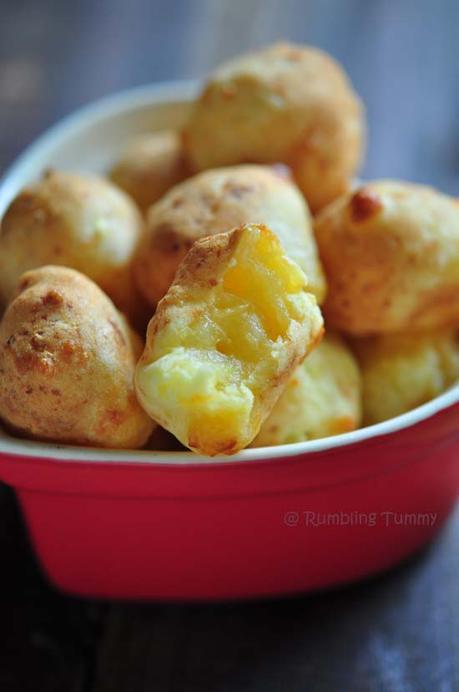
(222, 346)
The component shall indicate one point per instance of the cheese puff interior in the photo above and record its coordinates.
(225, 339)
(403, 371)
(322, 398)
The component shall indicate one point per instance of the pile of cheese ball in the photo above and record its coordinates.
(284, 301)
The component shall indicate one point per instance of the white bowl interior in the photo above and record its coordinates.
(91, 140)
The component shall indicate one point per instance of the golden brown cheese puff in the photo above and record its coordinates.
(80, 221)
(322, 398)
(284, 103)
(215, 201)
(150, 165)
(225, 339)
(402, 371)
(390, 252)
(67, 360)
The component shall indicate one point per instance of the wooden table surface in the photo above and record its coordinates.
(399, 632)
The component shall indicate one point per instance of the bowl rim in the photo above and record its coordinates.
(16, 447)
(119, 102)
(99, 110)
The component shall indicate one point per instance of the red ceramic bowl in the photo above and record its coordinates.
(267, 521)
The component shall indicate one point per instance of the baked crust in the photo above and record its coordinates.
(322, 398)
(215, 201)
(286, 103)
(67, 359)
(390, 251)
(150, 165)
(403, 371)
(80, 221)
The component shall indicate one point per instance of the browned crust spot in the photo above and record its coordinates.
(226, 447)
(364, 204)
(165, 238)
(52, 298)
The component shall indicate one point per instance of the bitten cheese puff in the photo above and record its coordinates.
(225, 339)
(322, 398)
(285, 103)
(79, 221)
(215, 201)
(402, 371)
(149, 166)
(67, 359)
(390, 251)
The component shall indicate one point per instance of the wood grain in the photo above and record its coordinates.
(396, 632)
